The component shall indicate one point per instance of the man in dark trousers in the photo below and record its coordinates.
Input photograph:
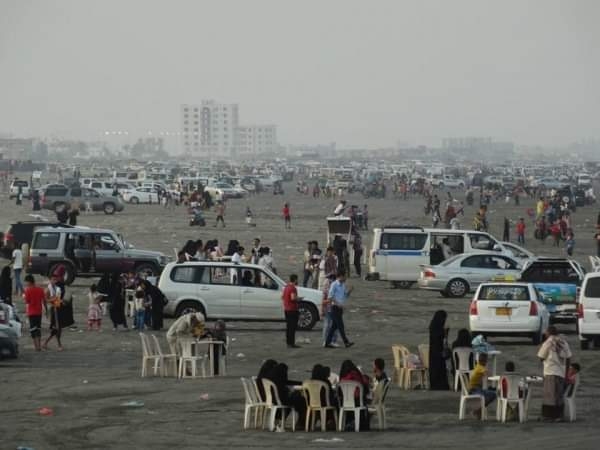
(290, 307)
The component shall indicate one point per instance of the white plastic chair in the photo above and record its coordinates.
(314, 404)
(570, 412)
(348, 389)
(398, 374)
(187, 358)
(130, 302)
(465, 397)
(510, 396)
(253, 403)
(148, 355)
(378, 405)
(424, 355)
(273, 405)
(462, 357)
(167, 360)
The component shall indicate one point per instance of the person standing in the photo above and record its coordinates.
(117, 301)
(506, 232)
(35, 301)
(326, 310)
(521, 231)
(220, 210)
(358, 252)
(35, 200)
(438, 352)
(308, 268)
(17, 263)
(338, 296)
(6, 286)
(290, 307)
(73, 213)
(255, 251)
(19, 200)
(556, 356)
(287, 216)
(54, 295)
(365, 217)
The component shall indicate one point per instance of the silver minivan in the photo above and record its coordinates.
(588, 311)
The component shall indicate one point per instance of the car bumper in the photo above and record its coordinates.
(432, 284)
(521, 327)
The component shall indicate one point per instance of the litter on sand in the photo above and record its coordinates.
(133, 404)
(328, 440)
(240, 355)
(46, 411)
(204, 397)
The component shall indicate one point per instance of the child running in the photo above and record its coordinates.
(94, 310)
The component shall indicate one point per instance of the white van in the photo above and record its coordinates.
(397, 251)
(23, 185)
(588, 310)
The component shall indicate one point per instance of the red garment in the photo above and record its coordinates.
(34, 297)
(288, 291)
(286, 211)
(359, 378)
(521, 228)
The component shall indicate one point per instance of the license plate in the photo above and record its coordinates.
(503, 311)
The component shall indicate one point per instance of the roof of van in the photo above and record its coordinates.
(426, 230)
(71, 229)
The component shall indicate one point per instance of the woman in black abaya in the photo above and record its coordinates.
(438, 333)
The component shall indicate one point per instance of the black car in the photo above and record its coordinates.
(20, 233)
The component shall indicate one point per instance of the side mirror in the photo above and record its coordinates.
(497, 248)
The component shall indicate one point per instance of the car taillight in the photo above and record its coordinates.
(428, 273)
(580, 310)
(577, 293)
(8, 237)
(533, 309)
(473, 308)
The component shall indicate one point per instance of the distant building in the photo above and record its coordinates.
(257, 139)
(209, 128)
(16, 148)
(479, 147)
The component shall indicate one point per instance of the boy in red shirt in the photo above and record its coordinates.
(287, 218)
(290, 307)
(521, 231)
(35, 301)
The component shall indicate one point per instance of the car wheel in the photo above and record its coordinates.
(307, 316)
(189, 306)
(69, 276)
(457, 288)
(404, 284)
(146, 270)
(134, 200)
(109, 208)
(584, 344)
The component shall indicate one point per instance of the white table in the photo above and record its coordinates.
(211, 352)
(530, 381)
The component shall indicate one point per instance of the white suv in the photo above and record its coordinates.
(588, 310)
(225, 290)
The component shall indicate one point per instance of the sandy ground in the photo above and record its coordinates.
(86, 384)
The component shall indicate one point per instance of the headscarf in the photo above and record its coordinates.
(438, 321)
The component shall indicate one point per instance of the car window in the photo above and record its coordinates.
(46, 241)
(21, 183)
(76, 192)
(481, 242)
(502, 263)
(504, 292)
(223, 275)
(403, 241)
(105, 242)
(592, 288)
(96, 185)
(56, 191)
(187, 274)
(473, 261)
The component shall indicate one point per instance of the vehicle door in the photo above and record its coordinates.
(402, 253)
(590, 300)
(107, 254)
(221, 291)
(261, 295)
(473, 269)
(186, 281)
(76, 194)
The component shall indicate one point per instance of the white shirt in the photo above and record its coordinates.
(236, 258)
(554, 352)
(339, 209)
(18, 259)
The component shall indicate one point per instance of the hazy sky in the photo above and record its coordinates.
(360, 73)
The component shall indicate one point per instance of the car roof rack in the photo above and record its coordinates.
(403, 227)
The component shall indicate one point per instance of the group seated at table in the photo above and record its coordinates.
(290, 395)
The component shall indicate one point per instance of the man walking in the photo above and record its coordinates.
(17, 263)
(220, 210)
(338, 295)
(35, 301)
(290, 307)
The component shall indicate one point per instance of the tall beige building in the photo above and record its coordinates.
(257, 139)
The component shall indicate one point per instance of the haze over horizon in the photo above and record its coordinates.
(354, 72)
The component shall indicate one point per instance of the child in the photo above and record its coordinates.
(570, 243)
(287, 218)
(249, 216)
(521, 231)
(571, 378)
(476, 382)
(94, 310)
(140, 309)
(556, 233)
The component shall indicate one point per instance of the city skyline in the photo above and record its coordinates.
(356, 73)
